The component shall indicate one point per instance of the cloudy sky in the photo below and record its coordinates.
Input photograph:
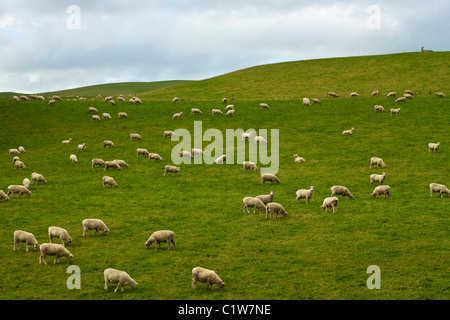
(53, 45)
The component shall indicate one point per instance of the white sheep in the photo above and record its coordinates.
(395, 111)
(26, 237)
(53, 249)
(197, 152)
(224, 100)
(14, 151)
(20, 190)
(342, 191)
(154, 156)
(196, 110)
(401, 99)
(108, 143)
(169, 134)
(185, 154)
(221, 160)
(16, 158)
(375, 161)
(391, 94)
(109, 181)
(269, 177)
(98, 162)
(121, 99)
(348, 132)
(260, 140)
(108, 98)
(121, 163)
(3, 196)
(306, 194)
(436, 187)
(92, 109)
(73, 158)
(246, 135)
(408, 96)
(433, 147)
(330, 202)
(106, 116)
(67, 141)
(375, 93)
(142, 151)
(57, 98)
(230, 113)
(52, 102)
(275, 208)
(16, 98)
(440, 95)
(383, 189)
(135, 136)
(216, 111)
(137, 100)
(174, 100)
(298, 159)
(377, 178)
(37, 177)
(131, 101)
(62, 234)
(205, 275)
(255, 203)
(177, 115)
(248, 165)
(264, 106)
(122, 115)
(26, 183)
(306, 102)
(378, 108)
(94, 224)
(229, 107)
(161, 236)
(112, 103)
(81, 147)
(170, 169)
(354, 94)
(266, 198)
(315, 101)
(120, 277)
(96, 118)
(19, 164)
(22, 149)
(332, 94)
(112, 164)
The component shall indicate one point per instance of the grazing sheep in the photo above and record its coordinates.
(377, 178)
(62, 234)
(224, 100)
(408, 96)
(94, 224)
(121, 163)
(377, 161)
(96, 118)
(98, 162)
(196, 110)
(67, 141)
(108, 181)
(57, 98)
(433, 147)
(395, 111)
(52, 102)
(298, 159)
(16, 98)
(425, 50)
(135, 136)
(120, 277)
(14, 151)
(436, 187)
(342, 191)
(275, 208)
(315, 101)
(348, 132)
(161, 236)
(53, 249)
(26, 183)
(19, 164)
(131, 101)
(121, 99)
(306, 102)
(137, 100)
(246, 135)
(216, 111)
(409, 92)
(332, 94)
(170, 169)
(375, 93)
(37, 177)
(269, 177)
(81, 147)
(177, 115)
(107, 98)
(106, 116)
(23, 98)
(330, 202)
(122, 115)
(197, 152)
(264, 106)
(16, 158)
(230, 113)
(204, 275)
(391, 94)
(154, 156)
(221, 160)
(260, 140)
(229, 107)
(108, 143)
(73, 158)
(378, 108)
(354, 94)
(21, 149)
(174, 100)
(383, 189)
(185, 154)
(3, 196)
(112, 164)
(169, 134)
(255, 203)
(23, 236)
(249, 165)
(112, 103)
(401, 99)
(266, 198)
(304, 194)
(440, 95)
(142, 151)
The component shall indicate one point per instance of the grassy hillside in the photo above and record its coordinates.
(307, 255)
(423, 73)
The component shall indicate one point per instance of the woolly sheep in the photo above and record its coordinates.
(246, 135)
(73, 158)
(221, 159)
(53, 249)
(21, 149)
(120, 277)
(37, 177)
(216, 111)
(315, 101)
(52, 102)
(174, 100)
(229, 107)
(197, 152)
(395, 111)
(112, 103)
(204, 275)
(122, 115)
(142, 151)
(108, 98)
(440, 95)
(19, 164)
(409, 92)
(401, 99)
(269, 177)
(377, 178)
(23, 236)
(154, 156)
(248, 165)
(330, 202)
(266, 198)
(342, 191)
(275, 208)
(391, 94)
(348, 132)
(57, 98)
(260, 140)
(354, 94)
(131, 101)
(16, 98)
(161, 236)
(170, 169)
(177, 115)
(3, 196)
(306, 102)
(121, 99)
(106, 116)
(436, 187)
(15, 159)
(426, 50)
(185, 154)
(383, 189)
(108, 181)
(96, 118)
(62, 234)
(81, 147)
(67, 141)
(304, 194)
(98, 162)
(298, 159)
(332, 94)
(26, 183)
(169, 134)
(408, 96)
(255, 203)
(20, 190)
(23, 98)
(230, 113)
(196, 110)
(264, 106)
(92, 109)
(121, 163)
(14, 151)
(135, 136)
(377, 161)
(137, 100)
(433, 147)
(108, 143)
(378, 108)
(375, 93)
(224, 100)
(94, 224)
(112, 164)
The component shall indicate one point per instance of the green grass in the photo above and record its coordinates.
(308, 255)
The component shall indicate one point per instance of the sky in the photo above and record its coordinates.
(55, 45)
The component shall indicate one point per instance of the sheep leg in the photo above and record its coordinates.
(118, 285)
(42, 258)
(168, 244)
(106, 284)
(194, 283)
(174, 245)
(27, 247)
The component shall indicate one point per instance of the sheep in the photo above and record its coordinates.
(131, 101)
(383, 189)
(169, 134)
(121, 99)
(53, 249)
(378, 108)
(109, 182)
(269, 177)
(170, 169)
(57, 98)
(426, 50)
(161, 236)
(306, 194)
(135, 136)
(94, 224)
(108, 143)
(67, 141)
(19, 164)
(197, 152)
(112, 164)
(330, 202)
(98, 162)
(377, 178)
(14, 151)
(73, 158)
(62, 234)
(3, 196)
(81, 147)
(230, 113)
(408, 96)
(21, 149)
(37, 177)
(112, 103)
(122, 115)
(229, 107)
(52, 102)
(175, 100)
(106, 116)
(177, 115)
(395, 111)
(26, 183)
(224, 100)
(16, 98)
(205, 275)
(391, 94)
(137, 100)
(142, 151)
(16, 158)
(249, 165)
(154, 156)
(27, 237)
(375, 93)
(264, 106)
(196, 110)
(216, 111)
(354, 94)
(255, 203)
(401, 99)
(108, 98)
(260, 140)
(306, 102)
(377, 161)
(348, 132)
(120, 277)
(436, 187)
(221, 160)
(246, 135)
(266, 198)
(20, 190)
(332, 94)
(92, 109)
(96, 118)
(440, 95)
(276, 208)
(315, 101)
(341, 190)
(185, 154)
(433, 147)
(298, 159)
(121, 163)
